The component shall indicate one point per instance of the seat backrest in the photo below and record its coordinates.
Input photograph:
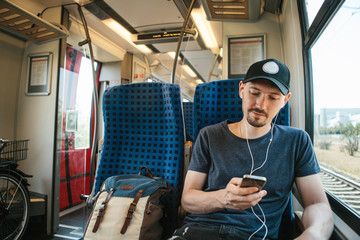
(217, 101)
(188, 108)
(143, 126)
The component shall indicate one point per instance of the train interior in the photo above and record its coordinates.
(54, 53)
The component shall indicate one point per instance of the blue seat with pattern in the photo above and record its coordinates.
(217, 101)
(188, 108)
(143, 126)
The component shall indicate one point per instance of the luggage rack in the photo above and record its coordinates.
(27, 26)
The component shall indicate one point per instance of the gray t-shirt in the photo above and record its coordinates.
(222, 155)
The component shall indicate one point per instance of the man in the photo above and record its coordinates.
(218, 207)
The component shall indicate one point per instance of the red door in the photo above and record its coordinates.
(75, 104)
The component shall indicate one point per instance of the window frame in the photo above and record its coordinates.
(310, 34)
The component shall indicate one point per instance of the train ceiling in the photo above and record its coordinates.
(144, 16)
(156, 16)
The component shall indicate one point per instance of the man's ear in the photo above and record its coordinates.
(241, 89)
(287, 97)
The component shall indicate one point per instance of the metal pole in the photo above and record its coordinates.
(95, 96)
(212, 67)
(182, 33)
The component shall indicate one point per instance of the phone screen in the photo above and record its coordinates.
(253, 181)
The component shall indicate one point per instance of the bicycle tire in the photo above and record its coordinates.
(14, 207)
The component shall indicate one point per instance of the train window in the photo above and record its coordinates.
(312, 8)
(335, 74)
(84, 104)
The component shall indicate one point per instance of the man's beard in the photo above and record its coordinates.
(254, 122)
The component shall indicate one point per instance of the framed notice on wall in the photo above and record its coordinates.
(139, 71)
(244, 51)
(39, 74)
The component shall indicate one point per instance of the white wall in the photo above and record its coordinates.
(111, 71)
(11, 53)
(267, 25)
(36, 121)
(291, 35)
(110, 76)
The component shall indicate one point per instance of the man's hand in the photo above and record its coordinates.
(195, 200)
(239, 198)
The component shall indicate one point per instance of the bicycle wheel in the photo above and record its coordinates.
(14, 207)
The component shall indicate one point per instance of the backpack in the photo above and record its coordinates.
(128, 207)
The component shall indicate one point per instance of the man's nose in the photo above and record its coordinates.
(261, 102)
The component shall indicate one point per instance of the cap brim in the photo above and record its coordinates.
(282, 88)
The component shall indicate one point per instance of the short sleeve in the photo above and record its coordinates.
(200, 161)
(306, 161)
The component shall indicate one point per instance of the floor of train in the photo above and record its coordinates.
(71, 226)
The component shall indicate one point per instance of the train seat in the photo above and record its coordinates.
(217, 101)
(188, 109)
(144, 127)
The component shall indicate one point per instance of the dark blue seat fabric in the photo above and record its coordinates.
(217, 101)
(144, 127)
(188, 109)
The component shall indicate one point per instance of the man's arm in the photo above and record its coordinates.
(195, 200)
(317, 217)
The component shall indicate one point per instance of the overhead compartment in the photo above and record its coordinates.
(239, 10)
(21, 23)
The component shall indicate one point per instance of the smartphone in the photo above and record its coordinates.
(253, 181)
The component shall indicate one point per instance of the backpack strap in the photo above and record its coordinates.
(102, 210)
(131, 211)
(148, 172)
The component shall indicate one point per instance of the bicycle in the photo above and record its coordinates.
(14, 194)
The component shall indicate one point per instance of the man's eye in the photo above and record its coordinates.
(254, 93)
(274, 98)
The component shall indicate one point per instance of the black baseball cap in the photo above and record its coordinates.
(270, 69)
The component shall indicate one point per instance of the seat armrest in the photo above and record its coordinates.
(187, 156)
(90, 199)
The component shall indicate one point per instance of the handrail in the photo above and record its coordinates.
(182, 33)
(95, 95)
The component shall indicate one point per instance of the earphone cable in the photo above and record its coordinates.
(262, 221)
(267, 150)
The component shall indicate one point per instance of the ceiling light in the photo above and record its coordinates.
(205, 29)
(198, 81)
(189, 71)
(143, 48)
(172, 55)
(125, 34)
